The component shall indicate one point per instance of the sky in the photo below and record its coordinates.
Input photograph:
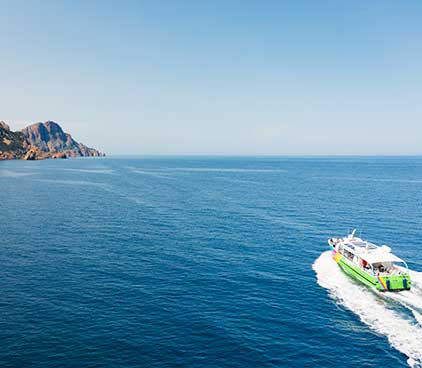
(217, 77)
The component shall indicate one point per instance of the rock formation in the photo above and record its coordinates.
(40, 141)
(50, 138)
(12, 144)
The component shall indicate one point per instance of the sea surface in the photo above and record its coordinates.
(204, 262)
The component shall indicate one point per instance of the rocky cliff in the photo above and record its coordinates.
(50, 138)
(40, 141)
(12, 144)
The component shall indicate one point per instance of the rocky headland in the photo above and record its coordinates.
(40, 141)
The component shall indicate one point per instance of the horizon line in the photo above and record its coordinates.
(419, 155)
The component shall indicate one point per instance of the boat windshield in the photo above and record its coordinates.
(371, 245)
(363, 244)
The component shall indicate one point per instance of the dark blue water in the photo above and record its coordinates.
(193, 262)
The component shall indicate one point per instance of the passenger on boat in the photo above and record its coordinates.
(365, 265)
(379, 269)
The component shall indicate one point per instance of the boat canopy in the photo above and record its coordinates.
(380, 257)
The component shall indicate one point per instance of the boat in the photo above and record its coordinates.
(372, 265)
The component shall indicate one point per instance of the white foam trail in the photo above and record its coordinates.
(403, 333)
(418, 316)
(93, 171)
(416, 279)
(13, 174)
(74, 182)
(411, 299)
(386, 180)
(228, 170)
(154, 173)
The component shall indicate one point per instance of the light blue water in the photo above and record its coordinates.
(203, 262)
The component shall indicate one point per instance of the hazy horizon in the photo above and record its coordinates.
(295, 78)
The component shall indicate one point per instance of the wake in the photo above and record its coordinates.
(382, 312)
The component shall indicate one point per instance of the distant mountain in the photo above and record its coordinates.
(50, 138)
(40, 141)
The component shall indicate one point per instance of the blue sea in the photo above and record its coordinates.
(204, 262)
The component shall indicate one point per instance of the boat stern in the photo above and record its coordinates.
(393, 283)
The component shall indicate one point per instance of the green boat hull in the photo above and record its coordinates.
(381, 283)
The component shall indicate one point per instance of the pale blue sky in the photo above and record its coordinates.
(217, 77)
